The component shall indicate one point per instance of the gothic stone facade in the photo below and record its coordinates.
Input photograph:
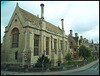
(75, 43)
(27, 34)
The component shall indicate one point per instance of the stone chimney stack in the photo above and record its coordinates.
(62, 24)
(42, 10)
(71, 32)
(80, 37)
(92, 41)
(76, 34)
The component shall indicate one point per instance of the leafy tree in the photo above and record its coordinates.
(68, 57)
(46, 62)
(84, 52)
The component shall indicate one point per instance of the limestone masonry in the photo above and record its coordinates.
(31, 36)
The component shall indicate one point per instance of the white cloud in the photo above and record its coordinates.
(80, 16)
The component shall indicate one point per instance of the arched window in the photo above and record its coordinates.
(15, 37)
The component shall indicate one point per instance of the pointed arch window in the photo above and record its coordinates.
(15, 37)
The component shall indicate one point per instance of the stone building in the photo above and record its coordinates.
(74, 44)
(83, 41)
(94, 48)
(27, 34)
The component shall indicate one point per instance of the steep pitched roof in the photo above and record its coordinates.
(29, 16)
(33, 18)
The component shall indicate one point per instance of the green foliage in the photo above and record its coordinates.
(89, 58)
(68, 57)
(72, 62)
(84, 51)
(46, 62)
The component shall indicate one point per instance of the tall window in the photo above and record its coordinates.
(71, 44)
(61, 42)
(55, 45)
(36, 45)
(47, 46)
(15, 38)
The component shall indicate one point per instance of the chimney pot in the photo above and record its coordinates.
(62, 24)
(62, 19)
(80, 37)
(42, 10)
(76, 34)
(41, 4)
(71, 32)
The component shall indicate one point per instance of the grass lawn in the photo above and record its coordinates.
(72, 62)
(89, 58)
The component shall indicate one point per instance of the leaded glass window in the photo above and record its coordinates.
(36, 45)
(47, 46)
(15, 38)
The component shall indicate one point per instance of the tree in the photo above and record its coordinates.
(84, 51)
(47, 62)
(68, 57)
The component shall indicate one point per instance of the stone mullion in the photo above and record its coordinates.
(52, 51)
(60, 50)
(41, 44)
(32, 47)
(25, 48)
(44, 43)
(63, 47)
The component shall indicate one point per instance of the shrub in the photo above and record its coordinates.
(84, 51)
(68, 58)
(46, 62)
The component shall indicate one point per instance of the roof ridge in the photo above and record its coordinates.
(28, 12)
(31, 17)
(37, 17)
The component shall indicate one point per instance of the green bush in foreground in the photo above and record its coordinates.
(89, 58)
(68, 58)
(84, 52)
(46, 62)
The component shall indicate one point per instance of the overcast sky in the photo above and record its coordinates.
(81, 17)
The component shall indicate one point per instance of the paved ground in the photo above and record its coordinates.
(93, 70)
(93, 66)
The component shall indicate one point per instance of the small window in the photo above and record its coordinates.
(15, 20)
(16, 55)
